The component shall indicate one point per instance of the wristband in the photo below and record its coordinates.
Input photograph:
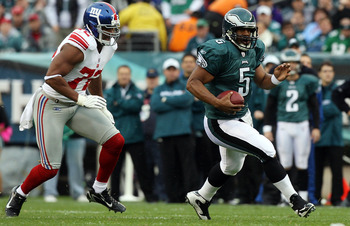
(274, 80)
(267, 128)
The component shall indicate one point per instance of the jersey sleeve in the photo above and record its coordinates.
(82, 40)
(260, 52)
(210, 55)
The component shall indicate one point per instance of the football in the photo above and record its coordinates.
(236, 98)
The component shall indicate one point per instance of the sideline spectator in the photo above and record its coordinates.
(182, 34)
(202, 36)
(338, 97)
(172, 103)
(64, 15)
(148, 118)
(18, 19)
(124, 100)
(11, 39)
(338, 42)
(318, 43)
(149, 20)
(38, 36)
(176, 11)
(313, 30)
(275, 12)
(330, 147)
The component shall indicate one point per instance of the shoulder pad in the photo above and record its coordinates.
(82, 40)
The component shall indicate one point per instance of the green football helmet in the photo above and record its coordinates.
(236, 19)
(290, 55)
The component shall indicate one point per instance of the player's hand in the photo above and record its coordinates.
(91, 101)
(315, 135)
(224, 104)
(108, 114)
(269, 135)
(281, 72)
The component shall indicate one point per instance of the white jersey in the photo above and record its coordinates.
(90, 68)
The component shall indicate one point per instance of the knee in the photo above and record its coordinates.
(231, 169)
(115, 144)
(49, 173)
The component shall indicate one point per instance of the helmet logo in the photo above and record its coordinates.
(95, 12)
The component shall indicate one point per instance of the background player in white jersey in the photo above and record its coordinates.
(72, 95)
(291, 102)
(232, 63)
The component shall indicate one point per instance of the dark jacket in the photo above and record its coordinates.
(174, 114)
(126, 111)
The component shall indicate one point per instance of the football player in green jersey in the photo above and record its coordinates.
(291, 102)
(232, 63)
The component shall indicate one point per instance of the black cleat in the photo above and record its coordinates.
(300, 206)
(199, 204)
(105, 199)
(14, 205)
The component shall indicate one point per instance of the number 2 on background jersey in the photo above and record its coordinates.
(244, 90)
(292, 105)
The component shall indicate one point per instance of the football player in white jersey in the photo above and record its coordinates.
(72, 95)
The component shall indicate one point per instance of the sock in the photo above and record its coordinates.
(99, 187)
(19, 191)
(208, 191)
(285, 187)
(304, 195)
(109, 156)
(37, 176)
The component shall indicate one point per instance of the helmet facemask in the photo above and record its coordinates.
(108, 34)
(243, 42)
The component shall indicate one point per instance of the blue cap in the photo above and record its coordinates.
(152, 73)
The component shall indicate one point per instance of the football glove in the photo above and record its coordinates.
(108, 114)
(91, 101)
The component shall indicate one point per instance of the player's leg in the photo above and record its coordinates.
(302, 144)
(234, 134)
(231, 163)
(93, 124)
(49, 120)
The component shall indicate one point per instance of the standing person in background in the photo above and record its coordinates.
(330, 147)
(63, 100)
(148, 119)
(291, 102)
(64, 15)
(176, 11)
(338, 97)
(202, 36)
(149, 20)
(172, 103)
(230, 125)
(125, 100)
(74, 147)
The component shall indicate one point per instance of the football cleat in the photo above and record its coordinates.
(14, 205)
(105, 199)
(199, 204)
(300, 206)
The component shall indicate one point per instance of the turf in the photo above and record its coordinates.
(68, 212)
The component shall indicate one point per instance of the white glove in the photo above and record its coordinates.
(91, 101)
(108, 114)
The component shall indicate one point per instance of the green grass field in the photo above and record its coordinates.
(68, 212)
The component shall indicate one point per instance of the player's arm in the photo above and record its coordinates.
(314, 109)
(339, 95)
(95, 86)
(268, 81)
(60, 66)
(195, 85)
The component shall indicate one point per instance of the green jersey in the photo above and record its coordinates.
(232, 70)
(336, 43)
(292, 98)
